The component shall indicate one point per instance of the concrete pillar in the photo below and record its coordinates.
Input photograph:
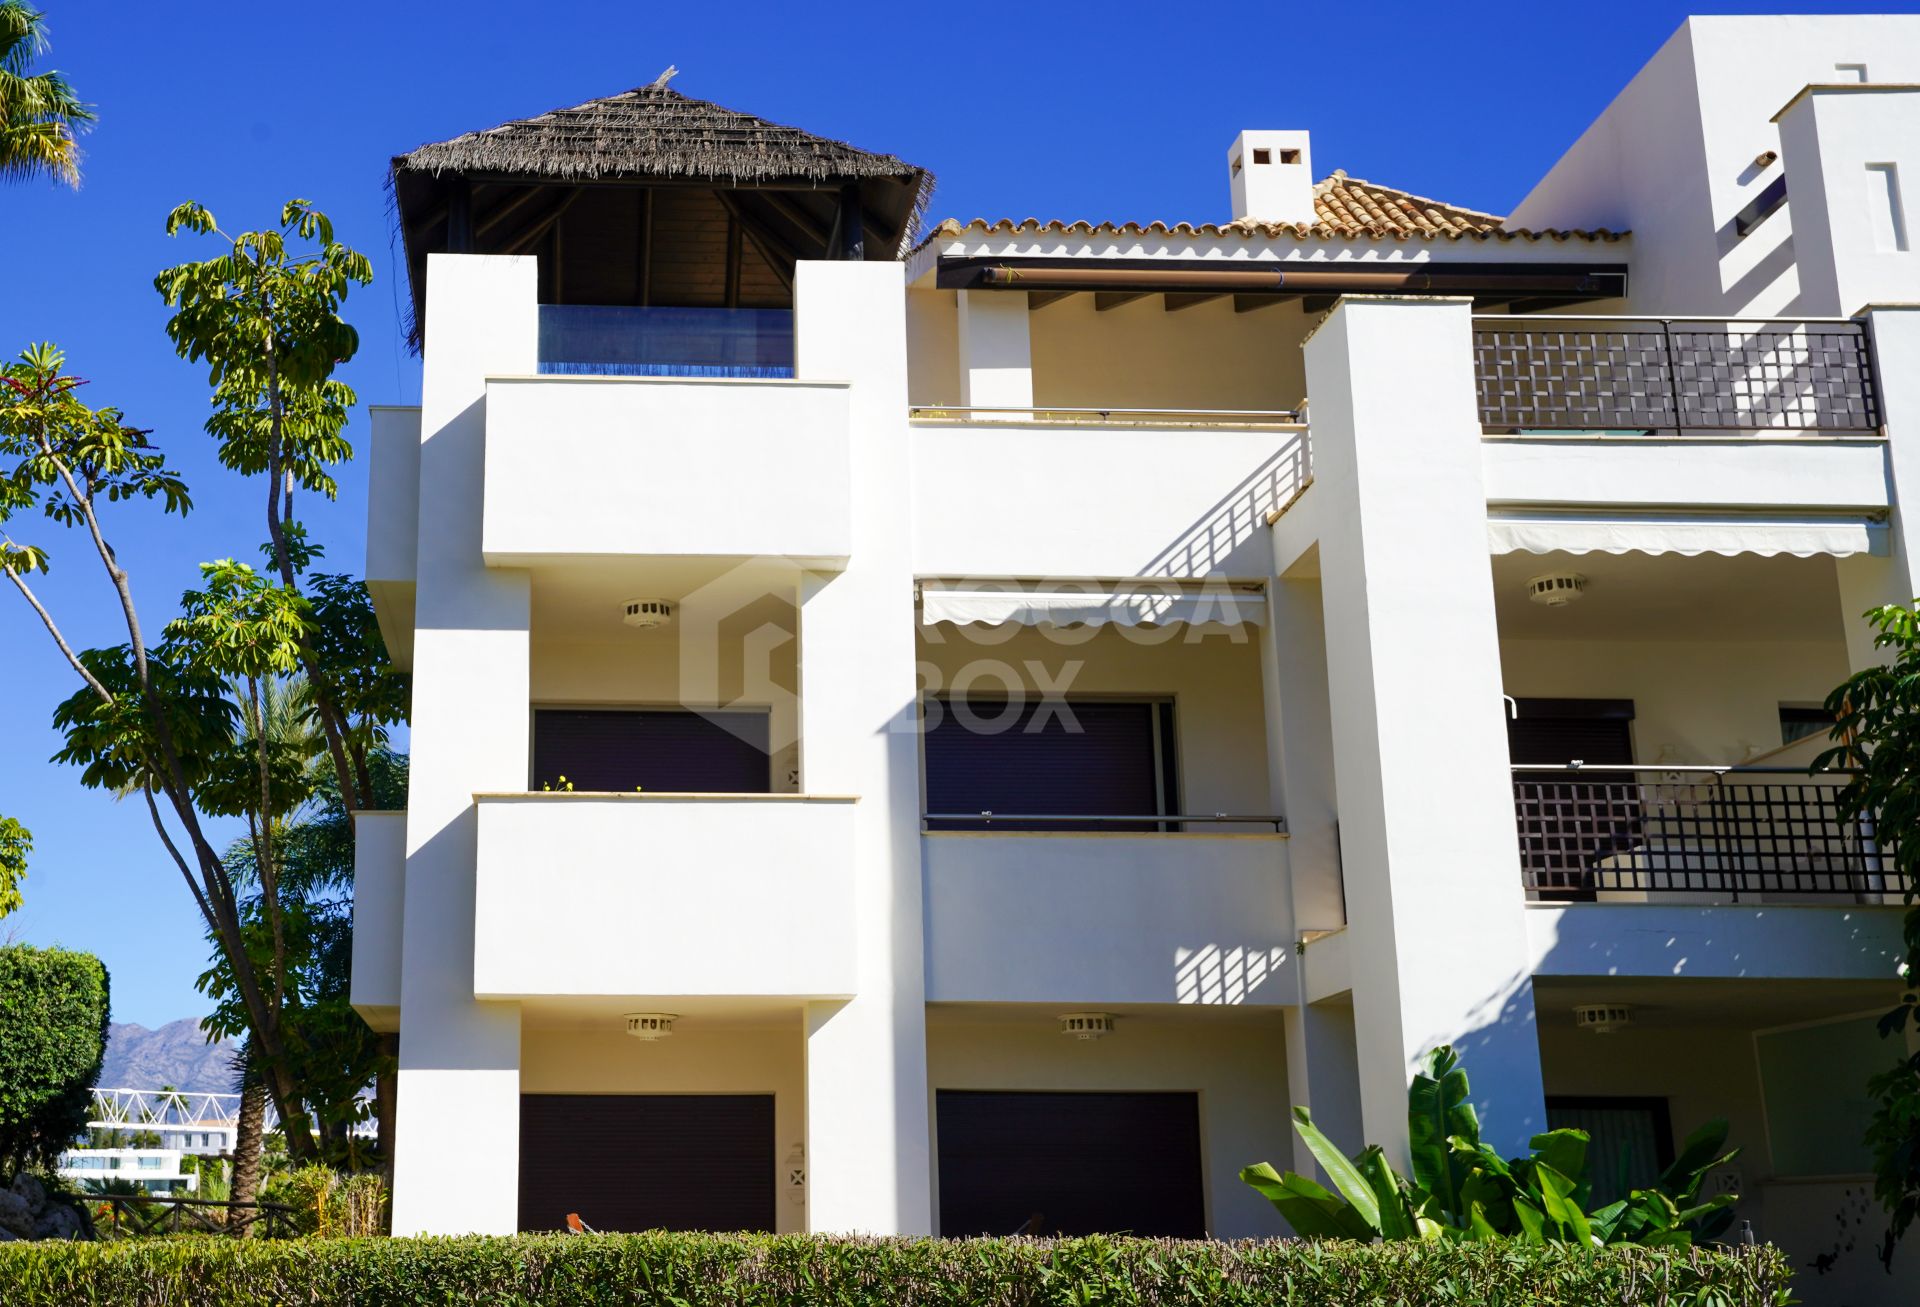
(457, 1145)
(996, 351)
(867, 1118)
(1436, 927)
(1300, 764)
(1867, 582)
(1323, 1075)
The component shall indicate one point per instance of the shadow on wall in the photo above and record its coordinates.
(1237, 519)
(1214, 975)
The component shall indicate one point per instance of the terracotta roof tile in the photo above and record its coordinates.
(1345, 208)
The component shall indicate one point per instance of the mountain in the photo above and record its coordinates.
(176, 1054)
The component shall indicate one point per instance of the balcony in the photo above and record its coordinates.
(663, 896)
(1694, 834)
(1642, 376)
(631, 466)
(1127, 492)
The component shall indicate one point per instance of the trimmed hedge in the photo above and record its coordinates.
(53, 1034)
(694, 1270)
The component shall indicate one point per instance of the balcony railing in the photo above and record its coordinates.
(625, 341)
(1591, 831)
(1645, 375)
(1162, 823)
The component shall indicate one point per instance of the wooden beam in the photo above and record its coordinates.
(1039, 299)
(500, 212)
(1175, 303)
(460, 216)
(774, 251)
(646, 246)
(733, 261)
(520, 243)
(1254, 303)
(796, 215)
(1108, 300)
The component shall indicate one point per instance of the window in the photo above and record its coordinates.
(664, 750)
(1797, 723)
(152, 1163)
(1052, 758)
(1630, 1141)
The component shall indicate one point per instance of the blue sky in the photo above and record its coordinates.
(1044, 111)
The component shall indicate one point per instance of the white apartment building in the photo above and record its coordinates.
(1005, 713)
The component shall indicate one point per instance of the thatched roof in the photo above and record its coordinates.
(654, 131)
(787, 182)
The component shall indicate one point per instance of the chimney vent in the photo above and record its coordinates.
(1271, 177)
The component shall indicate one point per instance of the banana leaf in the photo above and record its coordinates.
(1345, 1175)
(1438, 1113)
(1396, 1221)
(1556, 1199)
(1311, 1210)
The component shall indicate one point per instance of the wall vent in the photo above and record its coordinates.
(647, 613)
(1086, 1025)
(649, 1026)
(1602, 1018)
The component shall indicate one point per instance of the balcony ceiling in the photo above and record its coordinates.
(1722, 1004)
(583, 601)
(1673, 597)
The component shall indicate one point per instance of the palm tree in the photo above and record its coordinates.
(39, 112)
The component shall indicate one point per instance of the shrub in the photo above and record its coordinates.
(693, 1270)
(329, 1204)
(53, 1033)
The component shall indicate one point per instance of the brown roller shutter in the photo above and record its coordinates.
(647, 1161)
(1070, 1163)
(606, 750)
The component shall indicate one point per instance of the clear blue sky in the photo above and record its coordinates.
(1042, 112)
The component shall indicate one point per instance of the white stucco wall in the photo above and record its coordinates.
(458, 1100)
(1084, 500)
(703, 1056)
(1701, 473)
(1853, 170)
(1238, 1067)
(1673, 158)
(1708, 702)
(624, 466)
(379, 894)
(658, 895)
(1791, 941)
(1101, 919)
(393, 523)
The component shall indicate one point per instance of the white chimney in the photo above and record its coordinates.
(1272, 177)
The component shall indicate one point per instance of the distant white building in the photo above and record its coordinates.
(1003, 716)
(156, 1170)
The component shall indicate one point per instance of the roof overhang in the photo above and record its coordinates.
(1254, 281)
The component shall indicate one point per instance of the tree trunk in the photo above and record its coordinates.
(385, 1087)
(247, 1143)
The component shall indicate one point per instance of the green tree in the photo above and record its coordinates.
(39, 112)
(16, 842)
(53, 1034)
(1876, 714)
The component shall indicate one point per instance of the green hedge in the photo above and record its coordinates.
(53, 1033)
(690, 1270)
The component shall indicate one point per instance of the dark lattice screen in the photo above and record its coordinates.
(1651, 375)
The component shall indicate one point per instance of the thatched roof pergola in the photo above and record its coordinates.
(653, 197)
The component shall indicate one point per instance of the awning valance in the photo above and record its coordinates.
(1121, 607)
(1622, 533)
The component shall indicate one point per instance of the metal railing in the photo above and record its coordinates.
(1137, 417)
(1548, 374)
(1146, 822)
(129, 1216)
(1747, 831)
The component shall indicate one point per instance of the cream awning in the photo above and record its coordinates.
(1145, 606)
(1645, 533)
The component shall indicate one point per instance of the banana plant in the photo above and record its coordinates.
(1462, 1189)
